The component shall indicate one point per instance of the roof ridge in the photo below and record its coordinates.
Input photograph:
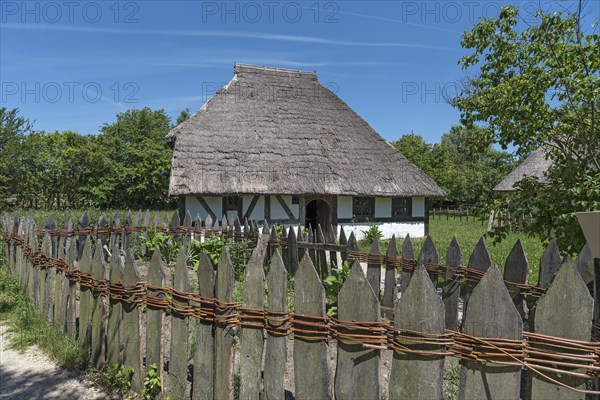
(267, 68)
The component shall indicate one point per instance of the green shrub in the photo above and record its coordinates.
(152, 384)
(334, 283)
(115, 378)
(167, 244)
(372, 233)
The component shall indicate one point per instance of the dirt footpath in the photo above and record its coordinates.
(32, 375)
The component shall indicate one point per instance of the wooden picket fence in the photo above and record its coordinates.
(400, 318)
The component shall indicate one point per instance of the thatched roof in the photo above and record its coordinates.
(279, 131)
(535, 165)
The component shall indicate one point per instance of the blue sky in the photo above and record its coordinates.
(74, 66)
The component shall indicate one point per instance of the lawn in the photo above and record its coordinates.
(468, 233)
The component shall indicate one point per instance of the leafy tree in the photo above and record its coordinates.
(140, 160)
(184, 115)
(13, 129)
(539, 86)
(465, 176)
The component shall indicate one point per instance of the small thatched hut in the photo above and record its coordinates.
(535, 165)
(275, 144)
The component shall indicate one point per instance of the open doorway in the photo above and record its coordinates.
(317, 212)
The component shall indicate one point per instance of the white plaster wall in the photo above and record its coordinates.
(216, 205)
(400, 229)
(277, 212)
(259, 210)
(383, 207)
(193, 206)
(418, 207)
(344, 207)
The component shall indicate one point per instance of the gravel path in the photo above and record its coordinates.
(32, 375)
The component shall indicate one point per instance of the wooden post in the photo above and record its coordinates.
(97, 305)
(480, 260)
(85, 297)
(204, 359)
(565, 310)
(389, 289)
(115, 314)
(420, 309)
(374, 269)
(429, 255)
(549, 264)
(357, 372)
(311, 374)
(131, 325)
(451, 289)
(408, 253)
(223, 388)
(491, 314)
(322, 254)
(275, 353)
(292, 252)
(177, 376)
(516, 270)
(251, 346)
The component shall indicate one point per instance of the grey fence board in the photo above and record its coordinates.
(251, 346)
(479, 260)
(452, 285)
(374, 269)
(567, 316)
(275, 347)
(549, 264)
(389, 289)
(131, 325)
(177, 376)
(115, 314)
(357, 372)
(516, 269)
(408, 253)
(429, 255)
(85, 298)
(97, 309)
(204, 360)
(155, 317)
(491, 313)
(311, 375)
(224, 334)
(415, 376)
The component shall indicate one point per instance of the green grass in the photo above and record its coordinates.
(28, 327)
(467, 234)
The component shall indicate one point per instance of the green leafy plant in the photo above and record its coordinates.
(372, 233)
(115, 378)
(213, 246)
(167, 244)
(152, 384)
(334, 283)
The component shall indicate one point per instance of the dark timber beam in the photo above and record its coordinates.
(206, 207)
(285, 207)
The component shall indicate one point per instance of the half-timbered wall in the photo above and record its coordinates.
(394, 216)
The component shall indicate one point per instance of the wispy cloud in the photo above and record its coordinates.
(224, 34)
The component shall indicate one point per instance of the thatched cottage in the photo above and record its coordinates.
(276, 144)
(535, 165)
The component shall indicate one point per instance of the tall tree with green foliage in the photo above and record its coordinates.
(13, 131)
(465, 176)
(539, 85)
(140, 158)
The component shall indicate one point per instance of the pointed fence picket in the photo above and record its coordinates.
(109, 325)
